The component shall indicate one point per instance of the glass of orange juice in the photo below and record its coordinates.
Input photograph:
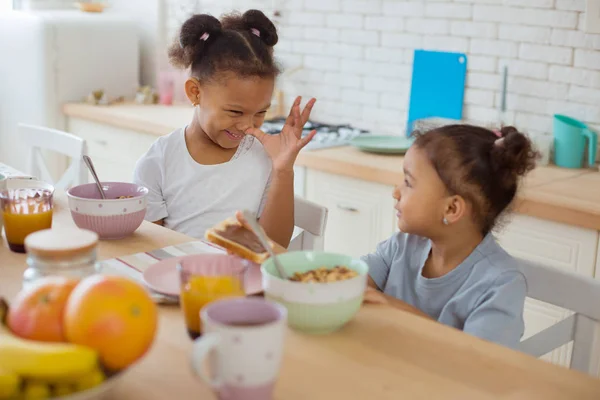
(24, 211)
(205, 278)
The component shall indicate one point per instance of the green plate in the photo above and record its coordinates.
(382, 143)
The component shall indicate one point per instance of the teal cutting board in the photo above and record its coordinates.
(437, 87)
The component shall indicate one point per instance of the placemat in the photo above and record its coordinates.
(134, 265)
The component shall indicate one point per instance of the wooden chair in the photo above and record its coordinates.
(311, 219)
(40, 138)
(577, 293)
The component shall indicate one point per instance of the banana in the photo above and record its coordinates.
(90, 380)
(44, 360)
(62, 389)
(9, 384)
(35, 391)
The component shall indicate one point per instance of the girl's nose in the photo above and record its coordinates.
(396, 193)
(246, 123)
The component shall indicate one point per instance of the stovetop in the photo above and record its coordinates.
(327, 135)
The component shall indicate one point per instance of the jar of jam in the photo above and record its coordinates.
(66, 252)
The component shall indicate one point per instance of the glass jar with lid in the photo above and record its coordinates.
(67, 252)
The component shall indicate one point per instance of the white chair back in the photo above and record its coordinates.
(574, 292)
(311, 218)
(39, 138)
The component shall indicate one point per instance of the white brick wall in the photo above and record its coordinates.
(356, 55)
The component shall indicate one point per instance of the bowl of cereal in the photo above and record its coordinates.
(324, 290)
(115, 217)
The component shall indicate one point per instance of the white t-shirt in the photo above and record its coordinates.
(192, 197)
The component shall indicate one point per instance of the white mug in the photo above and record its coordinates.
(242, 339)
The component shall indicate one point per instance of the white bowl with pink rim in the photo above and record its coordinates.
(113, 217)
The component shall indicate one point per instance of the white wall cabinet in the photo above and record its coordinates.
(114, 151)
(361, 214)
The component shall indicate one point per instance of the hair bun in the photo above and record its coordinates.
(512, 155)
(505, 130)
(255, 19)
(191, 43)
(196, 26)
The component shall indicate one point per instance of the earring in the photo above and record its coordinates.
(445, 221)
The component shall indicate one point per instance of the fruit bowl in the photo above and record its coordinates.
(50, 344)
(100, 392)
(8, 339)
(110, 218)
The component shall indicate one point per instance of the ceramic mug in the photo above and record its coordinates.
(242, 339)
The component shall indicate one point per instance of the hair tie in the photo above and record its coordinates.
(203, 37)
(255, 31)
(497, 133)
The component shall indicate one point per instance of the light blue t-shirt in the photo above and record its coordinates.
(484, 296)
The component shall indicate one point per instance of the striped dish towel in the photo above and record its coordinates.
(134, 265)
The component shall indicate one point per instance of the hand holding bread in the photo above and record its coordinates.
(236, 237)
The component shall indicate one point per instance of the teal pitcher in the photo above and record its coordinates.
(570, 138)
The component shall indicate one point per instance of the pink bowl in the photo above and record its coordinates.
(111, 218)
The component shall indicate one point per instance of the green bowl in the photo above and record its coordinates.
(316, 308)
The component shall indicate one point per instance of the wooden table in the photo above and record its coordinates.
(382, 354)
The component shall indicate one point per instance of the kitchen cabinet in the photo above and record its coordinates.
(361, 213)
(113, 150)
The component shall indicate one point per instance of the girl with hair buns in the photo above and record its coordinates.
(221, 162)
(445, 264)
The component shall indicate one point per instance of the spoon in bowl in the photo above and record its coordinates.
(251, 220)
(90, 165)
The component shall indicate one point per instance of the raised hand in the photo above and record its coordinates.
(284, 147)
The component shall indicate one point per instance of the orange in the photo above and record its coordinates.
(37, 311)
(113, 315)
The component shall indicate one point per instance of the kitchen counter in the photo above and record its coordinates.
(153, 119)
(570, 196)
(551, 193)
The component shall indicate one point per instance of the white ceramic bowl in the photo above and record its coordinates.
(110, 218)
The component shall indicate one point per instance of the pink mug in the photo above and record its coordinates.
(242, 339)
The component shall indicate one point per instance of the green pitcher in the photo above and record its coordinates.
(570, 137)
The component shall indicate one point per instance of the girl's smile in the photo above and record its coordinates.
(236, 137)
